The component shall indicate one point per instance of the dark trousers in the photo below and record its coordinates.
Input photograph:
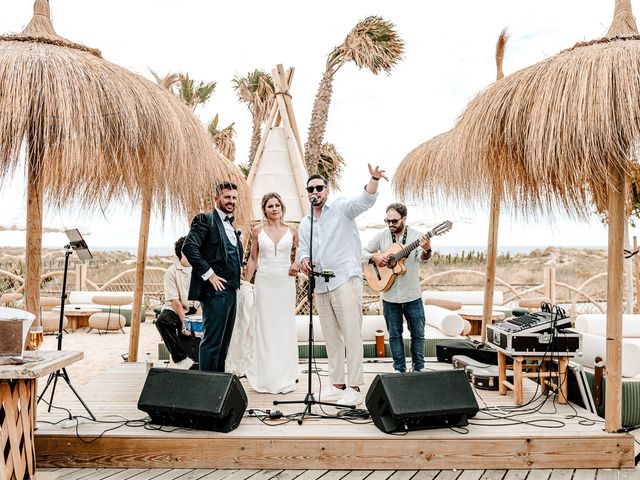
(218, 318)
(170, 327)
(414, 313)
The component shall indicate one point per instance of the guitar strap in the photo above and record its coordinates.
(404, 236)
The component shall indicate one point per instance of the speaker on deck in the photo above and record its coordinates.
(421, 400)
(193, 399)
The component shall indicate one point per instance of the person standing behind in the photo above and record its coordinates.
(403, 298)
(170, 322)
(214, 250)
(336, 247)
(274, 367)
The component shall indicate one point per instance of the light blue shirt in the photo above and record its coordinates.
(336, 240)
(406, 288)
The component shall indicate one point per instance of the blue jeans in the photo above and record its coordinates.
(414, 313)
(218, 318)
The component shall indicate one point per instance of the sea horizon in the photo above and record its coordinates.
(164, 251)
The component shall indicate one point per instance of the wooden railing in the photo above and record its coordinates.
(590, 296)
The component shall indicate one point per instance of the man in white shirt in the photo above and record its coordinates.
(170, 322)
(404, 297)
(336, 247)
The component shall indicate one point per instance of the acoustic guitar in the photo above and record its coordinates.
(381, 279)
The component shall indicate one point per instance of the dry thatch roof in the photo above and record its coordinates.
(550, 132)
(100, 133)
(434, 170)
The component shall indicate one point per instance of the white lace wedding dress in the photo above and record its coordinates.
(274, 366)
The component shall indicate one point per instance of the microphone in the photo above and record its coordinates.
(313, 199)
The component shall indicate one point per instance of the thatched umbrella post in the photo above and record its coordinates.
(492, 254)
(615, 280)
(494, 217)
(33, 252)
(141, 262)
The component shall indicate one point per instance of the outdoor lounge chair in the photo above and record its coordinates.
(111, 320)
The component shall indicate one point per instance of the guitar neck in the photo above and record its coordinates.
(409, 248)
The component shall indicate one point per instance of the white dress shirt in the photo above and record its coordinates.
(336, 240)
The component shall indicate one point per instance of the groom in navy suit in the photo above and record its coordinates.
(214, 250)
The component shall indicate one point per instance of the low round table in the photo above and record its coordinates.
(475, 319)
(78, 315)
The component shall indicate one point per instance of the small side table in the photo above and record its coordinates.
(18, 394)
(546, 375)
(475, 319)
(78, 316)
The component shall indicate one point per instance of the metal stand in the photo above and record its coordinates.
(309, 399)
(53, 377)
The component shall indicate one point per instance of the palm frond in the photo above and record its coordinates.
(373, 44)
(331, 164)
(167, 81)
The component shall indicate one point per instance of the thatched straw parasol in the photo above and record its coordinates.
(433, 170)
(565, 131)
(95, 133)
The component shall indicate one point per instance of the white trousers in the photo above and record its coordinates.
(340, 312)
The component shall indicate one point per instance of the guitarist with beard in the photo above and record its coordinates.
(403, 298)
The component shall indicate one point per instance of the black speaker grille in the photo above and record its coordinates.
(193, 399)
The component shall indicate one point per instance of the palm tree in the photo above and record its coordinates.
(194, 94)
(257, 91)
(330, 164)
(168, 81)
(374, 44)
(223, 138)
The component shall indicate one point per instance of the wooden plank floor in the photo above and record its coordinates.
(212, 474)
(543, 435)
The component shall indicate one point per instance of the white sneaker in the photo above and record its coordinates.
(351, 397)
(330, 393)
(184, 364)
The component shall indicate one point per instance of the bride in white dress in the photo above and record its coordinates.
(274, 366)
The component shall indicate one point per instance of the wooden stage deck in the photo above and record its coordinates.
(542, 435)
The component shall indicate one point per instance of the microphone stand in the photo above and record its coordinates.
(309, 399)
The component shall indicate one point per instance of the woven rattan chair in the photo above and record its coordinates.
(8, 298)
(112, 320)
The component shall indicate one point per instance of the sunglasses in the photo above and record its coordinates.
(317, 188)
(392, 221)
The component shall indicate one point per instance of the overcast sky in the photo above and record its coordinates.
(449, 57)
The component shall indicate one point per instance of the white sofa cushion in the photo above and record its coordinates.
(370, 323)
(596, 346)
(448, 322)
(596, 324)
(473, 297)
(86, 296)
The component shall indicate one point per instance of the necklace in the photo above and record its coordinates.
(404, 237)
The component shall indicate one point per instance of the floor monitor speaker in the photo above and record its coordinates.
(399, 402)
(193, 399)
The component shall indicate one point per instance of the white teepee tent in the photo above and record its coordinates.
(279, 162)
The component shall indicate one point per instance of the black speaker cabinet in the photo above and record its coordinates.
(416, 401)
(193, 399)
